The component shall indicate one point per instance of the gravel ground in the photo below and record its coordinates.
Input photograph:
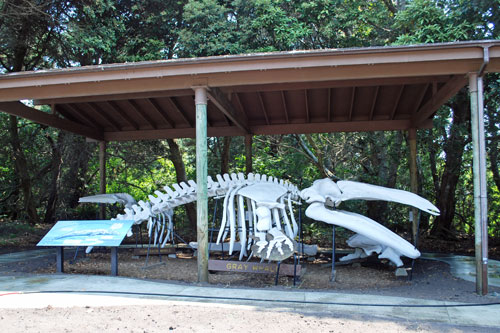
(430, 279)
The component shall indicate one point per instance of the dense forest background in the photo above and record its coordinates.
(44, 171)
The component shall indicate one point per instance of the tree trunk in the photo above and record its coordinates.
(180, 171)
(224, 156)
(55, 172)
(21, 167)
(385, 160)
(454, 150)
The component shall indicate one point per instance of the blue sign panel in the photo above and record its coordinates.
(87, 233)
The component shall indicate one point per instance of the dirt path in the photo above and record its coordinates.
(202, 318)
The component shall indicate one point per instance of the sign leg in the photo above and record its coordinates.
(114, 261)
(60, 259)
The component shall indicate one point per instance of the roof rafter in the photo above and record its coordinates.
(104, 116)
(329, 103)
(224, 105)
(306, 105)
(456, 83)
(156, 107)
(396, 102)
(351, 106)
(374, 102)
(263, 107)
(177, 108)
(285, 107)
(82, 115)
(141, 113)
(123, 115)
(21, 110)
(420, 98)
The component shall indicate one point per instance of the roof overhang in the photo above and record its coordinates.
(361, 89)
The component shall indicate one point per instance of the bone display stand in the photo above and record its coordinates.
(158, 245)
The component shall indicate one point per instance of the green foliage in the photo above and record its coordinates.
(430, 21)
(209, 29)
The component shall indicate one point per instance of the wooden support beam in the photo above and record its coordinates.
(177, 109)
(63, 112)
(263, 107)
(83, 116)
(447, 91)
(324, 127)
(171, 133)
(23, 111)
(337, 126)
(104, 116)
(156, 107)
(351, 107)
(306, 105)
(396, 101)
(329, 104)
(420, 98)
(238, 102)
(133, 104)
(374, 102)
(285, 107)
(123, 115)
(224, 105)
(115, 97)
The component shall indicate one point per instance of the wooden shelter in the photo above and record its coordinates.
(359, 89)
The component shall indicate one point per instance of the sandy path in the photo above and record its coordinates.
(198, 318)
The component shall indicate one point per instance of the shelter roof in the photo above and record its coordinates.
(358, 89)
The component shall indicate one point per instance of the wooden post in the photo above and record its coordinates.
(412, 140)
(248, 153)
(479, 173)
(102, 174)
(201, 181)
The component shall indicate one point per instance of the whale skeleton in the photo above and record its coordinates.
(258, 212)
(371, 237)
